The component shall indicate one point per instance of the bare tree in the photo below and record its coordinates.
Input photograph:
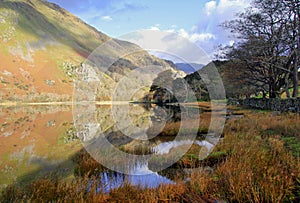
(269, 44)
(292, 31)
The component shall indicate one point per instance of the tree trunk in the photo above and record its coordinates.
(295, 81)
(297, 53)
(287, 92)
(287, 86)
(272, 93)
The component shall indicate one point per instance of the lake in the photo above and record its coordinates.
(136, 144)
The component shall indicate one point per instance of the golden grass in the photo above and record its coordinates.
(258, 170)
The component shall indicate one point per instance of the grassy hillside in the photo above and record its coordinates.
(40, 46)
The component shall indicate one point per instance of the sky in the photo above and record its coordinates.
(197, 20)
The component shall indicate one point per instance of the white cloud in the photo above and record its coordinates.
(183, 33)
(174, 45)
(226, 6)
(202, 37)
(231, 42)
(154, 28)
(212, 16)
(170, 30)
(210, 7)
(223, 10)
(194, 28)
(195, 37)
(107, 18)
(192, 46)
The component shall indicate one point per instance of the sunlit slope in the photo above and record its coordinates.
(41, 45)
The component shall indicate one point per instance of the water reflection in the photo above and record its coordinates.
(36, 140)
(146, 179)
(133, 126)
(165, 147)
(135, 144)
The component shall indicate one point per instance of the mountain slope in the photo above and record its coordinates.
(189, 68)
(42, 45)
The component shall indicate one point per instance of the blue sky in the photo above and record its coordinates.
(197, 20)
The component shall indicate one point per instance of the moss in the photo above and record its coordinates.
(214, 159)
(293, 144)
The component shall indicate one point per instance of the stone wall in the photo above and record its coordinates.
(274, 104)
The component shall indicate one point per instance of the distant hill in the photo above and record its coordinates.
(42, 45)
(189, 68)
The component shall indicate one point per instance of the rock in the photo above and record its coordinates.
(275, 104)
(50, 82)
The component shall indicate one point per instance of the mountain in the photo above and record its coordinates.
(43, 46)
(189, 68)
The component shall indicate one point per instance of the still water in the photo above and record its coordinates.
(130, 140)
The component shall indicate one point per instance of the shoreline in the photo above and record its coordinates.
(66, 103)
(70, 103)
